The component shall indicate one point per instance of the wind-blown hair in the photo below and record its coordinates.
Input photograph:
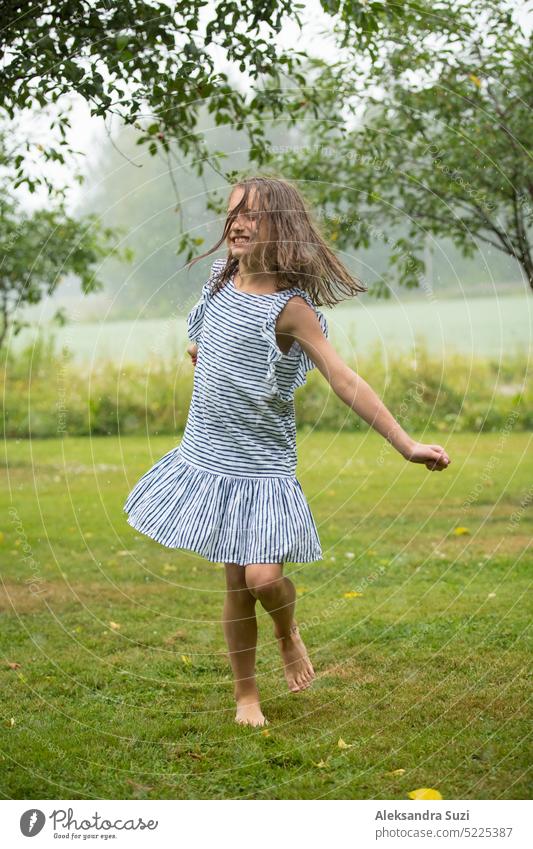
(294, 250)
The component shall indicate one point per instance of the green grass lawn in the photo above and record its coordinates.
(124, 688)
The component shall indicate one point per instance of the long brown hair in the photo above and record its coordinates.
(295, 251)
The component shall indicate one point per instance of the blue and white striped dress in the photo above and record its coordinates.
(229, 490)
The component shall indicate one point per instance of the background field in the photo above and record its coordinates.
(115, 679)
(496, 325)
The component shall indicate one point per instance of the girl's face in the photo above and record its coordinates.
(246, 229)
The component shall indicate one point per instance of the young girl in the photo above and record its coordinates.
(228, 491)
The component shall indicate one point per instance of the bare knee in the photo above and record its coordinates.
(264, 581)
(237, 591)
(235, 577)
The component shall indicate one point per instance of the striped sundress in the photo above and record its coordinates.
(229, 490)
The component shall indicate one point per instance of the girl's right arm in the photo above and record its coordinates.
(300, 322)
(360, 396)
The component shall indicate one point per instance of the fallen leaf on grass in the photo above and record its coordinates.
(352, 594)
(13, 665)
(343, 745)
(188, 753)
(186, 659)
(177, 635)
(322, 764)
(459, 532)
(168, 568)
(265, 733)
(485, 754)
(424, 793)
(114, 626)
(396, 772)
(139, 788)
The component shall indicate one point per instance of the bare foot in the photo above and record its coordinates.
(299, 671)
(249, 711)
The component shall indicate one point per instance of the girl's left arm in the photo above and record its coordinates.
(192, 351)
(299, 321)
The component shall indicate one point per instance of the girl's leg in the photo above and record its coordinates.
(277, 595)
(240, 630)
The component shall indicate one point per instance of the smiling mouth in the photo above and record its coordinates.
(240, 240)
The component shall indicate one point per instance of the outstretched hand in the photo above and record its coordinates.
(192, 350)
(434, 457)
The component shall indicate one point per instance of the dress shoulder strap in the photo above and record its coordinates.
(274, 354)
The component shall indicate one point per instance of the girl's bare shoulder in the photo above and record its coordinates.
(297, 312)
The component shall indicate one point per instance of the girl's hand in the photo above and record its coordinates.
(192, 350)
(434, 457)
